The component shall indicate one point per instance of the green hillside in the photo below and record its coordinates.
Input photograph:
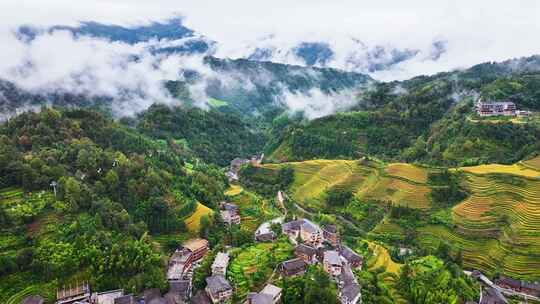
(430, 120)
(122, 201)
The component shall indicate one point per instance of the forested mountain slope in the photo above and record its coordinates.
(427, 119)
(114, 187)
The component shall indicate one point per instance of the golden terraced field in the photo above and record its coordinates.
(399, 184)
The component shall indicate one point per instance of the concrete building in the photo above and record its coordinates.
(218, 289)
(107, 297)
(505, 108)
(74, 294)
(182, 259)
(270, 294)
(219, 267)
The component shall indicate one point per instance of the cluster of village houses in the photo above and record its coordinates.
(313, 245)
(237, 163)
(492, 292)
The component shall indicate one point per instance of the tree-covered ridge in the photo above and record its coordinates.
(425, 119)
(213, 136)
(113, 186)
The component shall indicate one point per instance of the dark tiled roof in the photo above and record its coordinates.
(293, 225)
(200, 298)
(217, 283)
(531, 286)
(158, 300)
(350, 255)
(294, 264)
(330, 228)
(301, 248)
(151, 294)
(33, 300)
(128, 299)
(510, 282)
(266, 237)
(332, 257)
(261, 298)
(493, 296)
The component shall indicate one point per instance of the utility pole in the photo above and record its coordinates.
(54, 184)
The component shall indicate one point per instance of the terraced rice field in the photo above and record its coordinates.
(314, 177)
(19, 296)
(253, 210)
(234, 190)
(533, 163)
(381, 258)
(515, 169)
(407, 171)
(388, 228)
(255, 261)
(498, 226)
(193, 222)
(399, 192)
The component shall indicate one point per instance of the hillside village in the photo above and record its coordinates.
(314, 246)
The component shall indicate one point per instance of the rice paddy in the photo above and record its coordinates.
(381, 258)
(407, 171)
(515, 169)
(234, 190)
(252, 266)
(193, 222)
(401, 184)
(533, 163)
(497, 227)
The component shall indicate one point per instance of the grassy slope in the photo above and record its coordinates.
(497, 227)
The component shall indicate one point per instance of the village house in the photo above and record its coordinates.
(229, 213)
(127, 299)
(306, 253)
(218, 289)
(505, 108)
(107, 297)
(270, 294)
(308, 232)
(264, 233)
(77, 294)
(200, 298)
(352, 258)
(349, 289)
(331, 235)
(293, 267)
(532, 289)
(219, 267)
(491, 295)
(332, 263)
(33, 300)
(183, 258)
(179, 291)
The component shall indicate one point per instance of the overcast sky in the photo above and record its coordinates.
(476, 31)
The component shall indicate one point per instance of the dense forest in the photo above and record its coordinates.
(213, 136)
